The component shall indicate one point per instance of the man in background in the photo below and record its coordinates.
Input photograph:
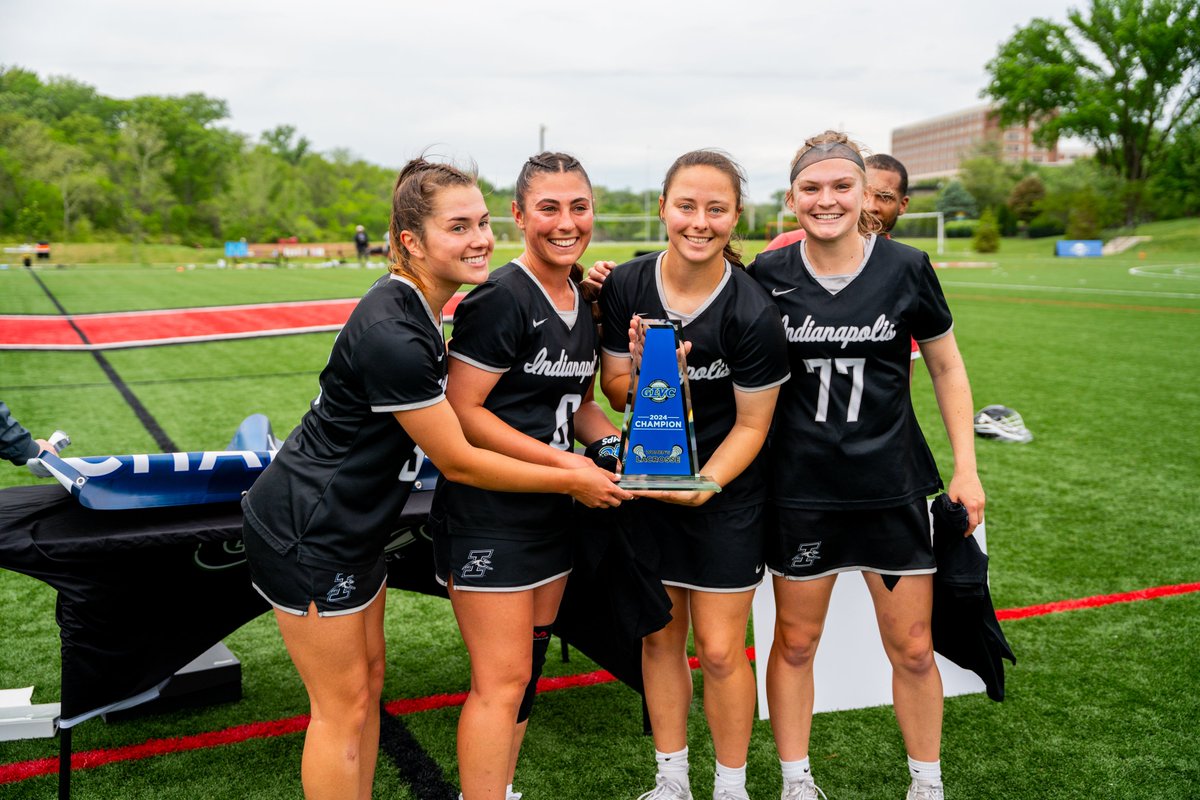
(887, 189)
(361, 243)
(887, 198)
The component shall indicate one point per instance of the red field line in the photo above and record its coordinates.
(1096, 602)
(177, 326)
(23, 770)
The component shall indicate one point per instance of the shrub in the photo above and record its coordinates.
(925, 228)
(1083, 221)
(987, 234)
(1044, 225)
(1009, 224)
(962, 228)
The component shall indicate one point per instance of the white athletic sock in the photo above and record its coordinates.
(927, 771)
(795, 770)
(729, 777)
(673, 765)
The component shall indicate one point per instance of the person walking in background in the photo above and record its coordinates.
(851, 469)
(711, 544)
(523, 359)
(317, 519)
(362, 244)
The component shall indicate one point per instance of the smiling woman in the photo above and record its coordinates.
(523, 358)
(318, 518)
(711, 544)
(851, 466)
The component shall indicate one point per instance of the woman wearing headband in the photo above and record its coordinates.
(851, 469)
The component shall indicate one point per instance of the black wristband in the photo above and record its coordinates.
(604, 452)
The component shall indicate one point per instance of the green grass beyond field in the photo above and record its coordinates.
(1101, 357)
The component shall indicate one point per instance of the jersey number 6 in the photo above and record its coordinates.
(567, 407)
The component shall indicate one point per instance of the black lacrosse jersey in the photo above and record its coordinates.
(508, 326)
(845, 434)
(737, 343)
(337, 486)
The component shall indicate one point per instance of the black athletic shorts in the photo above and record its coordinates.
(481, 561)
(291, 586)
(711, 551)
(805, 544)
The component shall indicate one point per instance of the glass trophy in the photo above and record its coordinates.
(658, 440)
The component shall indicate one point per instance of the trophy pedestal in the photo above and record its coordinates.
(680, 483)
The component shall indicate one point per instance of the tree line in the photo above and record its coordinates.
(76, 165)
(1123, 75)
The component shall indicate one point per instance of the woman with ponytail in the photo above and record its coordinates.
(317, 520)
(711, 543)
(522, 363)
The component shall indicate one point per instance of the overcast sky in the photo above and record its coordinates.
(626, 86)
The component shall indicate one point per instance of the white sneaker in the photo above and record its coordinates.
(513, 796)
(667, 789)
(925, 790)
(730, 794)
(803, 789)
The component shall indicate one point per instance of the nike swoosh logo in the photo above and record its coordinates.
(538, 322)
(777, 292)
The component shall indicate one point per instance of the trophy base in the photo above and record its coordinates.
(681, 483)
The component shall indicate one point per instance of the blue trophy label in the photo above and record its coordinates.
(659, 442)
(658, 422)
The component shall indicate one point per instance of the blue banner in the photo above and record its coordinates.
(158, 479)
(1079, 248)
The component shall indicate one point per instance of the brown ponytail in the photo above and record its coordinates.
(412, 203)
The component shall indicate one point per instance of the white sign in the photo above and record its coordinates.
(851, 668)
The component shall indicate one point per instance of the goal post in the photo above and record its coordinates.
(941, 225)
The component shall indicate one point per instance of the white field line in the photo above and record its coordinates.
(1071, 289)
(1187, 272)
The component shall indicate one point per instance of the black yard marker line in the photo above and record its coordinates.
(422, 773)
(140, 411)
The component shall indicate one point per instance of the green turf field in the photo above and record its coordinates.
(1103, 363)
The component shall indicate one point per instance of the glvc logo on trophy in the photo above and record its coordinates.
(658, 441)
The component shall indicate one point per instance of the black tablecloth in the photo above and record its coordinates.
(143, 592)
